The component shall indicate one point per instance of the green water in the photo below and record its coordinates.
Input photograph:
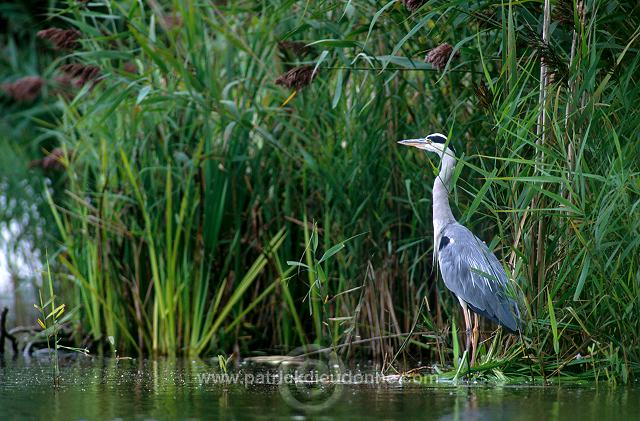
(95, 389)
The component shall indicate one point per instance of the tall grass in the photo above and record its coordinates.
(195, 178)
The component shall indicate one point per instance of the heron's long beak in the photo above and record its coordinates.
(413, 142)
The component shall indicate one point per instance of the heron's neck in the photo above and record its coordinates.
(441, 186)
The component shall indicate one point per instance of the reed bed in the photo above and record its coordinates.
(231, 182)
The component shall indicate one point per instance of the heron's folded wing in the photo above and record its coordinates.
(472, 272)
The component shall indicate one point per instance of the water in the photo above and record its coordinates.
(106, 389)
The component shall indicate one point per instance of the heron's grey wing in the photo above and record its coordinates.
(472, 272)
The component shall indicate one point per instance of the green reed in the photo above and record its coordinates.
(196, 177)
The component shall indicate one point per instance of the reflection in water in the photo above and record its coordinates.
(19, 261)
(548, 403)
(18, 296)
(105, 389)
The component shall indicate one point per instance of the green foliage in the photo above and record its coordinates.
(51, 320)
(188, 172)
(22, 208)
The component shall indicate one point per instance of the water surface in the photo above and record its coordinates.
(106, 389)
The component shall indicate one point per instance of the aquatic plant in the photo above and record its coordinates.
(196, 177)
(52, 319)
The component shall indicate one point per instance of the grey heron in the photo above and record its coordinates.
(468, 268)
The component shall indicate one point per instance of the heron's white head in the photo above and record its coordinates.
(435, 142)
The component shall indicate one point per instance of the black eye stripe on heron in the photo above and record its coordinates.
(438, 138)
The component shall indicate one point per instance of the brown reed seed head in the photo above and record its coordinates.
(172, 21)
(413, 5)
(81, 74)
(439, 56)
(62, 39)
(563, 12)
(65, 85)
(297, 78)
(484, 95)
(55, 160)
(299, 49)
(486, 18)
(130, 67)
(25, 89)
(555, 62)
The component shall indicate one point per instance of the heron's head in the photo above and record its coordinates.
(435, 142)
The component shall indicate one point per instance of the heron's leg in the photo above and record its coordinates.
(467, 325)
(474, 343)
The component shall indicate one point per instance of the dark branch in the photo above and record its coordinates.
(4, 334)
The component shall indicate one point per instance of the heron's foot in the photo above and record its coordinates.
(475, 335)
(468, 342)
